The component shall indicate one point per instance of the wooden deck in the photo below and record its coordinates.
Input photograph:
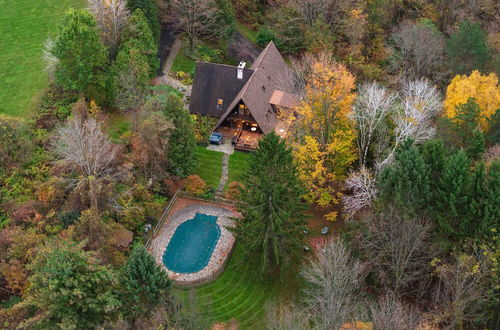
(242, 139)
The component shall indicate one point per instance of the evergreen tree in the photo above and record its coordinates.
(227, 17)
(150, 10)
(131, 79)
(81, 54)
(70, 289)
(271, 226)
(434, 155)
(468, 49)
(182, 144)
(137, 34)
(477, 199)
(452, 216)
(406, 182)
(144, 282)
(477, 144)
(490, 223)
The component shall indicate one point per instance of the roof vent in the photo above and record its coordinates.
(241, 67)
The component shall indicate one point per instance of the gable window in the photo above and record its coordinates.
(219, 104)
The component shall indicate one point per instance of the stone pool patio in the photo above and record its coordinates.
(220, 254)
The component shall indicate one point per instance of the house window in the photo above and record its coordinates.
(219, 104)
(241, 109)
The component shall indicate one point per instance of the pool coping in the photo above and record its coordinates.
(220, 254)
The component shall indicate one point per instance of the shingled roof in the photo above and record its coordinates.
(269, 73)
(213, 82)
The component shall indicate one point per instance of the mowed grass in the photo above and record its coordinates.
(238, 165)
(237, 294)
(182, 63)
(209, 166)
(24, 26)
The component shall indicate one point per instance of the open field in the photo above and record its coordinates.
(24, 26)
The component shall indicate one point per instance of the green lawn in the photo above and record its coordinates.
(182, 62)
(209, 166)
(236, 294)
(24, 26)
(238, 164)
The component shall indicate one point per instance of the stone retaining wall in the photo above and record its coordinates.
(221, 253)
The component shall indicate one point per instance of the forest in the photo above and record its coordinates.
(394, 146)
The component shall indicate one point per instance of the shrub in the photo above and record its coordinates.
(195, 185)
(233, 190)
(184, 77)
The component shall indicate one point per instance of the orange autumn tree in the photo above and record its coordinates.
(484, 90)
(324, 134)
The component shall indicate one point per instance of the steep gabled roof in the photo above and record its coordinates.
(213, 82)
(270, 73)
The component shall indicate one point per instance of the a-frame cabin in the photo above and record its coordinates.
(247, 101)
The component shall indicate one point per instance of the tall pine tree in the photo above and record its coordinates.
(137, 34)
(271, 226)
(406, 182)
(182, 145)
(150, 10)
(452, 215)
(81, 54)
(144, 283)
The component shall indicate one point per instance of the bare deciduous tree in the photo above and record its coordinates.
(285, 317)
(51, 61)
(399, 251)
(332, 11)
(390, 313)
(421, 104)
(111, 17)
(419, 51)
(363, 190)
(333, 287)
(83, 145)
(373, 104)
(195, 18)
(151, 150)
(462, 290)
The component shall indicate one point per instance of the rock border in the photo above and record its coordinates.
(219, 256)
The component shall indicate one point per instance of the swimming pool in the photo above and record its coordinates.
(192, 244)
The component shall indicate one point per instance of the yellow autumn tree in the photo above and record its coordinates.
(324, 134)
(484, 89)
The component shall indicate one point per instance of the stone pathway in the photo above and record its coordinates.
(171, 57)
(224, 176)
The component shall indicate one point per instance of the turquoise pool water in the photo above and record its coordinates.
(192, 244)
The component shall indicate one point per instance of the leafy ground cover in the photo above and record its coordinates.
(238, 164)
(237, 294)
(24, 26)
(209, 166)
(119, 125)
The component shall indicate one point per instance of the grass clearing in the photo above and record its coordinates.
(24, 26)
(209, 166)
(119, 124)
(238, 165)
(236, 294)
(182, 62)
